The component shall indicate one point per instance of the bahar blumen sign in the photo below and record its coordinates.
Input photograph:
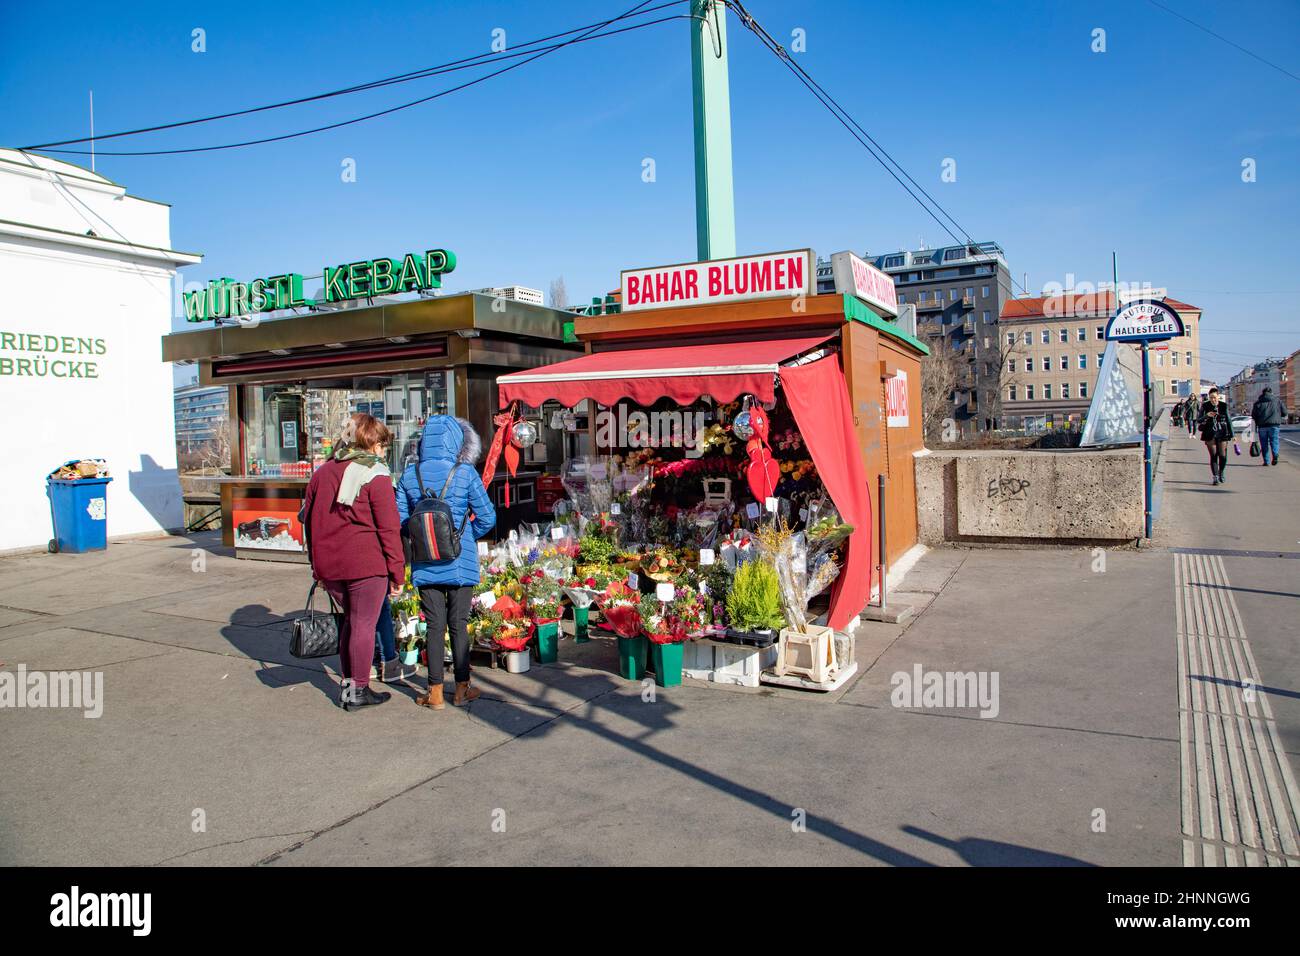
(860, 278)
(772, 275)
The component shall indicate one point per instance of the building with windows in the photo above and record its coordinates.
(1052, 349)
(515, 293)
(1244, 387)
(202, 414)
(1288, 394)
(958, 292)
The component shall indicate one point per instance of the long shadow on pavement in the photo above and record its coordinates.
(659, 718)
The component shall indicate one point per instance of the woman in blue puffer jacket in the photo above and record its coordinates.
(449, 447)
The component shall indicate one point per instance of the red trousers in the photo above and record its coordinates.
(360, 600)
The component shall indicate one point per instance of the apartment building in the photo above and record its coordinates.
(517, 293)
(1052, 349)
(959, 292)
(202, 413)
(1243, 388)
(1288, 392)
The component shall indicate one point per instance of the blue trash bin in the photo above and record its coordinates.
(80, 511)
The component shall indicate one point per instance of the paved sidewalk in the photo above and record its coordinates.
(207, 717)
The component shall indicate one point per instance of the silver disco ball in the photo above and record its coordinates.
(524, 434)
(741, 427)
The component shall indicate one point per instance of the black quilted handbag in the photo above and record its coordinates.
(316, 634)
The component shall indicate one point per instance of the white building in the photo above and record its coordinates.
(518, 293)
(85, 295)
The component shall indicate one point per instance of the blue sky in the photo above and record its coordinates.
(1062, 154)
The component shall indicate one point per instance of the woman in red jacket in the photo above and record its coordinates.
(355, 546)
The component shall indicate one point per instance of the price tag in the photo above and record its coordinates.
(771, 504)
(482, 549)
(487, 599)
(633, 581)
(803, 514)
(751, 510)
(557, 533)
(616, 509)
(706, 556)
(665, 591)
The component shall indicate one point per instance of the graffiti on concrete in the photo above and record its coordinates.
(1007, 489)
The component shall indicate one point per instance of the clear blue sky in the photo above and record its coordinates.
(1062, 154)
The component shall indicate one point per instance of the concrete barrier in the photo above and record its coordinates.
(1060, 496)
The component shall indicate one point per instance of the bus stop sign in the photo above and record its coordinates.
(1144, 320)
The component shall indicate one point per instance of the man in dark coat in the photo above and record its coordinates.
(1269, 414)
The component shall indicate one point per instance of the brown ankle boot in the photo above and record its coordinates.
(433, 700)
(464, 693)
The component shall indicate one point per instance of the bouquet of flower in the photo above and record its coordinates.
(687, 608)
(512, 634)
(623, 615)
(825, 527)
(483, 627)
(736, 549)
(543, 600)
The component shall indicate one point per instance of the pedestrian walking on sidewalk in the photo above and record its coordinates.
(1216, 431)
(355, 546)
(449, 447)
(1268, 414)
(1189, 415)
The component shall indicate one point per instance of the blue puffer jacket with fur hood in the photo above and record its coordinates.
(448, 443)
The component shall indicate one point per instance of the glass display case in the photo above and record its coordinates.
(275, 431)
(290, 429)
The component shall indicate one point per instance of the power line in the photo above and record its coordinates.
(1224, 39)
(835, 110)
(766, 38)
(856, 130)
(590, 35)
(481, 59)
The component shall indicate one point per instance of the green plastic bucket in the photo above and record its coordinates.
(631, 657)
(548, 642)
(667, 660)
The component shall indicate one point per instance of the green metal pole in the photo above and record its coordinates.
(715, 213)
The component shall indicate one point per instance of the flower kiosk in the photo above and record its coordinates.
(723, 526)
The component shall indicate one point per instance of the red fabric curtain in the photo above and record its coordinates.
(819, 398)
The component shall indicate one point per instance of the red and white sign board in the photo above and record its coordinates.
(860, 278)
(896, 400)
(773, 275)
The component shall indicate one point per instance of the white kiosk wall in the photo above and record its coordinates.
(85, 296)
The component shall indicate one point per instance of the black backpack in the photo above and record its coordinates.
(433, 534)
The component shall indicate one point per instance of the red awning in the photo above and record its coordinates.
(724, 370)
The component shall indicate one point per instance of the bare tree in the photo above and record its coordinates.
(941, 372)
(559, 295)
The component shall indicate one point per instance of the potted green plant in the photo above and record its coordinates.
(754, 604)
(407, 623)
